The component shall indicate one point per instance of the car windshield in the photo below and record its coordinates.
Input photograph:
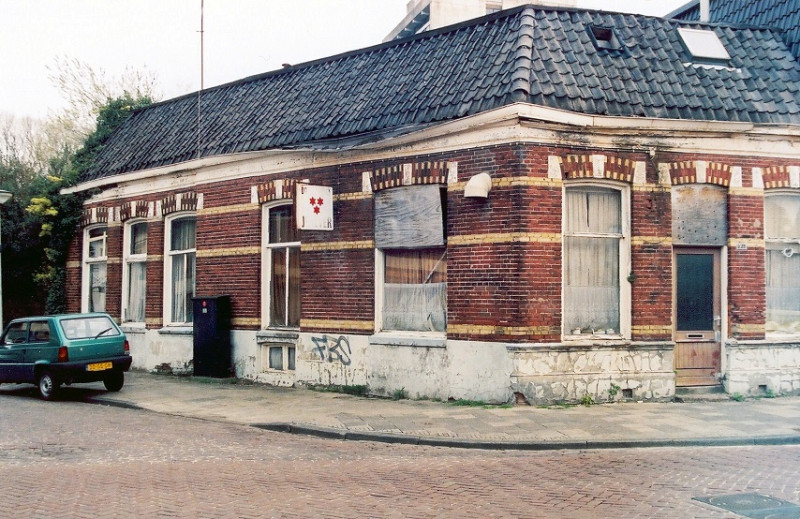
(83, 327)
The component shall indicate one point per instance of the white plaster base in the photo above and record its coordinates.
(756, 368)
(602, 372)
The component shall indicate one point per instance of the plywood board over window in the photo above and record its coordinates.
(409, 217)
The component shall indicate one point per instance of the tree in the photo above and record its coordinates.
(60, 214)
(37, 160)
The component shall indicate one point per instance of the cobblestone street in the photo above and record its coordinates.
(70, 459)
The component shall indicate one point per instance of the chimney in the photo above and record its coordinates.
(705, 11)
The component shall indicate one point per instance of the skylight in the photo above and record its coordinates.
(703, 44)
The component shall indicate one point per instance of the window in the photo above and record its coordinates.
(179, 269)
(782, 230)
(281, 265)
(704, 45)
(595, 261)
(411, 259)
(95, 260)
(134, 274)
(281, 358)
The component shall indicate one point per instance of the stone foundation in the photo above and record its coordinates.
(759, 368)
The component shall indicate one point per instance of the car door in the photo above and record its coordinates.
(42, 346)
(12, 352)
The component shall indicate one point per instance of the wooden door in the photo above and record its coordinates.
(697, 316)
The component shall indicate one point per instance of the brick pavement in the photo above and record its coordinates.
(67, 459)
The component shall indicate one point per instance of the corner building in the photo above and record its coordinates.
(543, 203)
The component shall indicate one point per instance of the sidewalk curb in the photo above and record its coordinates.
(330, 433)
(521, 445)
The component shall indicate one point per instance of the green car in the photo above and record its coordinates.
(61, 349)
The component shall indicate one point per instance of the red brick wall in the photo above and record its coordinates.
(513, 285)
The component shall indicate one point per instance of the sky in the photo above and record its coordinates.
(241, 38)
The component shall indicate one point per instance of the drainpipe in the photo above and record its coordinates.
(705, 11)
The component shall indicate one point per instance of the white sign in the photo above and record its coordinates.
(314, 208)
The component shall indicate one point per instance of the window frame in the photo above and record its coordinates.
(168, 256)
(772, 241)
(86, 265)
(128, 259)
(266, 266)
(624, 267)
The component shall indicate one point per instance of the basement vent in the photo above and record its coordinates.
(605, 38)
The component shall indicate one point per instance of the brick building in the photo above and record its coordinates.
(547, 202)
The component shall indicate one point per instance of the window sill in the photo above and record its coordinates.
(420, 339)
(276, 336)
(176, 330)
(133, 327)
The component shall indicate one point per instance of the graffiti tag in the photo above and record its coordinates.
(333, 350)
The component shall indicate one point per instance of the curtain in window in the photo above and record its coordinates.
(415, 291)
(136, 291)
(182, 234)
(138, 238)
(782, 230)
(182, 287)
(591, 261)
(97, 287)
(783, 289)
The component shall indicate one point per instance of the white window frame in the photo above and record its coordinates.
(168, 254)
(624, 237)
(777, 240)
(266, 266)
(285, 349)
(88, 262)
(127, 260)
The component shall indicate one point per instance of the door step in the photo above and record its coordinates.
(701, 394)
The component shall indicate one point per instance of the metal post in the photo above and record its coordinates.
(5, 196)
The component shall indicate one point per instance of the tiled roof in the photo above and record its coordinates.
(528, 54)
(781, 14)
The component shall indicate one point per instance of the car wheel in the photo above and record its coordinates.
(114, 381)
(48, 385)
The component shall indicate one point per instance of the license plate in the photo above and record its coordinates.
(99, 366)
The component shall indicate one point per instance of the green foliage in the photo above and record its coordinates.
(738, 397)
(40, 222)
(399, 394)
(587, 400)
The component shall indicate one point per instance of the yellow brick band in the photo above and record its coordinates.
(512, 237)
(748, 328)
(638, 241)
(342, 197)
(746, 191)
(482, 329)
(233, 251)
(652, 188)
(652, 329)
(153, 321)
(238, 208)
(336, 324)
(246, 321)
(337, 245)
(751, 243)
(73, 264)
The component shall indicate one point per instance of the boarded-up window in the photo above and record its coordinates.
(782, 229)
(409, 229)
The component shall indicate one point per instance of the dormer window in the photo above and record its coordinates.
(704, 46)
(605, 38)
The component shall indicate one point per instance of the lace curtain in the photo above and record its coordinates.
(593, 229)
(782, 229)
